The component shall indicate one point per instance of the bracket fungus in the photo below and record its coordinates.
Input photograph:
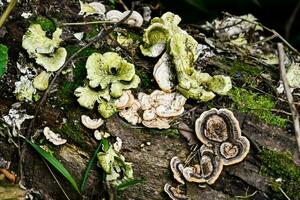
(175, 193)
(207, 171)
(87, 9)
(180, 56)
(53, 137)
(114, 15)
(91, 123)
(109, 75)
(41, 81)
(177, 169)
(46, 51)
(293, 75)
(222, 130)
(135, 19)
(113, 163)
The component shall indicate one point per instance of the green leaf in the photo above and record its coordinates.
(55, 163)
(128, 183)
(3, 59)
(89, 166)
(105, 144)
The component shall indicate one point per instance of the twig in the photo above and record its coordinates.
(268, 29)
(11, 177)
(7, 11)
(123, 4)
(286, 196)
(53, 175)
(288, 93)
(86, 23)
(246, 196)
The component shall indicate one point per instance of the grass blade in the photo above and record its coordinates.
(89, 166)
(128, 183)
(55, 163)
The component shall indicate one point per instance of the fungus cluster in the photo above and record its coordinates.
(155, 110)
(180, 56)
(108, 75)
(52, 137)
(222, 145)
(47, 53)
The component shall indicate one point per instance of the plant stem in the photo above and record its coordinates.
(7, 12)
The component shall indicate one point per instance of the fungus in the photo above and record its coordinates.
(160, 123)
(293, 76)
(52, 62)
(221, 129)
(110, 68)
(91, 123)
(135, 19)
(162, 73)
(175, 193)
(114, 16)
(208, 170)
(24, 89)
(41, 81)
(35, 40)
(106, 108)
(87, 9)
(125, 100)
(114, 165)
(88, 97)
(220, 84)
(99, 135)
(131, 114)
(177, 169)
(53, 137)
(118, 144)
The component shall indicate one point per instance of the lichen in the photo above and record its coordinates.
(258, 105)
(24, 89)
(280, 165)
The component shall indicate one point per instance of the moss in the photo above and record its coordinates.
(260, 106)
(242, 71)
(94, 30)
(47, 24)
(145, 76)
(281, 165)
(66, 91)
(73, 132)
(171, 132)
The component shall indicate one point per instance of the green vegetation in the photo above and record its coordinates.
(260, 106)
(241, 70)
(281, 165)
(46, 24)
(171, 132)
(145, 76)
(3, 59)
(66, 91)
(73, 132)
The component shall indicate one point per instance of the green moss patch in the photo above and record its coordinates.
(281, 165)
(73, 132)
(171, 132)
(46, 24)
(260, 106)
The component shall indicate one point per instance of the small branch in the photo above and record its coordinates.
(87, 23)
(7, 11)
(289, 96)
(53, 175)
(286, 196)
(288, 25)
